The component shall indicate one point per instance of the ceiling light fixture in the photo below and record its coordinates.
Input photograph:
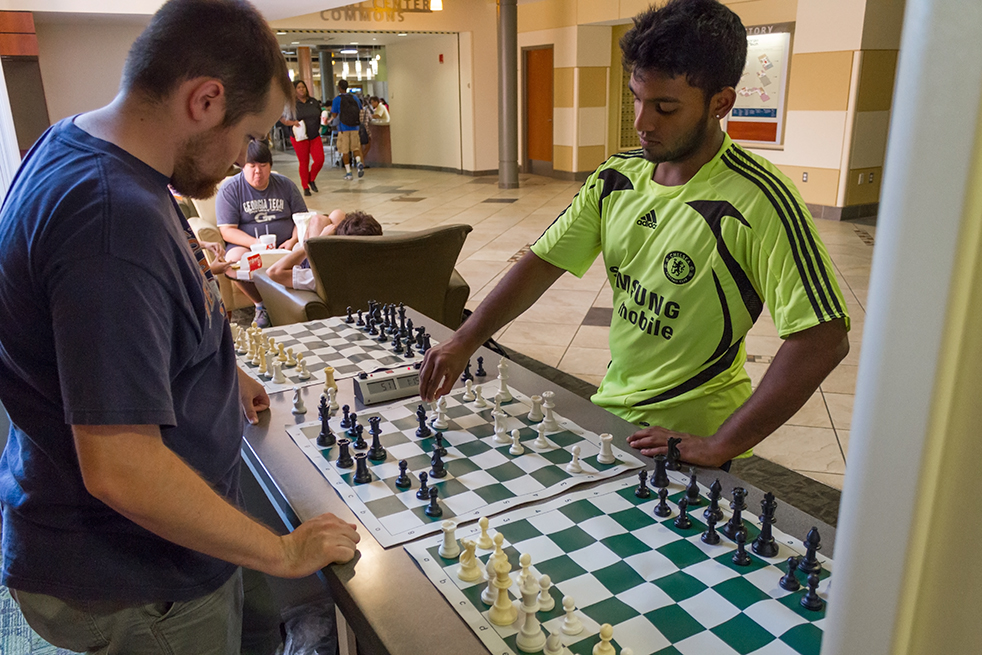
(436, 5)
(349, 51)
(402, 34)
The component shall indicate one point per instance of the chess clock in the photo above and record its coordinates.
(383, 386)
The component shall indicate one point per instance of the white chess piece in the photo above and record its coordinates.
(298, 406)
(262, 362)
(554, 645)
(484, 541)
(281, 353)
(489, 593)
(291, 358)
(278, 376)
(449, 549)
(498, 399)
(540, 442)
(516, 444)
(302, 371)
(571, 624)
(627, 651)
(329, 378)
(500, 435)
(440, 422)
(530, 639)
(574, 464)
(606, 455)
(503, 611)
(546, 601)
(503, 380)
(526, 561)
(479, 400)
(469, 571)
(605, 647)
(332, 399)
(468, 391)
(548, 404)
(535, 414)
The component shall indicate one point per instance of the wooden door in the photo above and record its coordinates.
(538, 110)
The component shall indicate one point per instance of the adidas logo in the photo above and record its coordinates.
(648, 220)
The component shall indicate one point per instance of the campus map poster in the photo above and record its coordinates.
(758, 115)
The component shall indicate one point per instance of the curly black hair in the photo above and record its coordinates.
(700, 39)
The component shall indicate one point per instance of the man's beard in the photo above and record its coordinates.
(685, 145)
(189, 179)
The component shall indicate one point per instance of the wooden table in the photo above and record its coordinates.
(387, 602)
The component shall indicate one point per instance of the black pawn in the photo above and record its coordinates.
(659, 478)
(735, 525)
(439, 445)
(764, 545)
(361, 318)
(408, 332)
(673, 454)
(715, 491)
(480, 372)
(397, 342)
(382, 336)
(692, 491)
(346, 418)
(349, 319)
(741, 557)
(682, 521)
(410, 353)
(642, 491)
(403, 481)
(362, 474)
(423, 493)
(376, 453)
(789, 582)
(437, 469)
(811, 600)
(813, 543)
(433, 509)
(360, 442)
(352, 423)
(372, 331)
(710, 536)
(423, 430)
(662, 509)
(467, 373)
(344, 455)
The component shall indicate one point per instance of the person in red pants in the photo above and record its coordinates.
(306, 140)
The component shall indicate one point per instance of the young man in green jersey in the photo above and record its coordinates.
(697, 235)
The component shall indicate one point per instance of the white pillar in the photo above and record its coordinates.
(9, 149)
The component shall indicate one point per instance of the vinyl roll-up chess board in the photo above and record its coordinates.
(663, 590)
(484, 478)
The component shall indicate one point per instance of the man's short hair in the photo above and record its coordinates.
(373, 99)
(258, 153)
(225, 39)
(700, 39)
(359, 223)
(343, 85)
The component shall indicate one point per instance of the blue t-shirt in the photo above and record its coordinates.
(106, 318)
(255, 212)
(336, 109)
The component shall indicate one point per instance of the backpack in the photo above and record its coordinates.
(348, 111)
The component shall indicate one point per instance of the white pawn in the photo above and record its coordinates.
(281, 353)
(530, 637)
(606, 455)
(571, 624)
(479, 400)
(503, 380)
(499, 552)
(605, 647)
(535, 414)
(526, 561)
(574, 464)
(540, 441)
(302, 371)
(278, 376)
(549, 404)
(328, 378)
(262, 362)
(468, 391)
(291, 359)
(484, 541)
(440, 422)
(449, 548)
(546, 601)
(469, 569)
(516, 445)
(332, 399)
(298, 406)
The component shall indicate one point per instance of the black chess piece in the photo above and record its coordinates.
(789, 582)
(764, 545)
(692, 491)
(403, 481)
(437, 469)
(410, 353)
(735, 525)
(352, 430)
(397, 343)
(710, 536)
(376, 453)
(402, 318)
(372, 329)
(423, 493)
(811, 600)
(408, 332)
(813, 543)
(682, 521)
(360, 442)
(419, 337)
(466, 375)
(382, 336)
(659, 478)
(439, 448)
(480, 372)
(741, 557)
(662, 509)
(362, 474)
(426, 343)
(326, 438)
(346, 418)
(674, 456)
(642, 491)
(433, 509)
(715, 491)
(349, 319)
(344, 455)
(423, 430)
(361, 319)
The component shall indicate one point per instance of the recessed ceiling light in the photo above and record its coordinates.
(281, 33)
(354, 43)
(349, 51)
(295, 43)
(402, 34)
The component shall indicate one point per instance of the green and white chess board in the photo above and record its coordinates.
(663, 590)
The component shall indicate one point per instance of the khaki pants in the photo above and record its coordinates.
(349, 142)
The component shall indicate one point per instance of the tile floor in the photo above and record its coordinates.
(567, 327)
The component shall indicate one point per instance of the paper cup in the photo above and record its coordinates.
(257, 247)
(268, 241)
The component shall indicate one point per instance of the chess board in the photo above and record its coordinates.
(328, 342)
(663, 590)
(483, 477)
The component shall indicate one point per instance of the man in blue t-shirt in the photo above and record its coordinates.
(119, 485)
(347, 108)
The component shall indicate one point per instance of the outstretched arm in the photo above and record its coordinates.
(801, 364)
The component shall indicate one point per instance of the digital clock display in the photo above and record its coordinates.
(393, 384)
(383, 386)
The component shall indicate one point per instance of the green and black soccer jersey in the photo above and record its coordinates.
(691, 267)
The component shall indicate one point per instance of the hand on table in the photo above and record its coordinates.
(702, 451)
(252, 396)
(322, 540)
(442, 365)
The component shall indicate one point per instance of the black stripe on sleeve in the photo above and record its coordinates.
(727, 336)
(613, 180)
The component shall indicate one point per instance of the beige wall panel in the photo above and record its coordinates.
(562, 40)
(876, 78)
(763, 12)
(590, 157)
(546, 14)
(820, 81)
(829, 25)
(562, 87)
(592, 11)
(593, 87)
(883, 24)
(592, 126)
(562, 158)
(812, 138)
(467, 108)
(822, 186)
(563, 131)
(869, 139)
(866, 192)
(614, 89)
(593, 45)
(631, 8)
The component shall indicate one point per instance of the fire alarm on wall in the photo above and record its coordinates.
(441, 59)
